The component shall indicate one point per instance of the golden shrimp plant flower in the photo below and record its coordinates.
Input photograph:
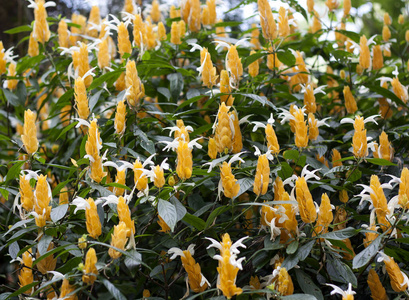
(282, 281)
(268, 24)
(223, 129)
(120, 118)
(90, 269)
(378, 291)
(41, 30)
(118, 240)
(29, 136)
(399, 280)
(26, 274)
(197, 282)
(403, 196)
(120, 174)
(134, 86)
(140, 178)
(42, 196)
(229, 265)
(262, 178)
(228, 183)
(350, 103)
(93, 223)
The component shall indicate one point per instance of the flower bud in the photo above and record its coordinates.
(90, 269)
(124, 44)
(118, 240)
(301, 128)
(29, 137)
(134, 84)
(364, 56)
(63, 33)
(350, 103)
(377, 60)
(159, 180)
(229, 182)
(120, 118)
(262, 176)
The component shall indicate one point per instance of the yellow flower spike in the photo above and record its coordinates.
(267, 214)
(332, 4)
(387, 19)
(3, 61)
(93, 222)
(94, 19)
(27, 195)
(175, 33)
(82, 242)
(150, 36)
(223, 134)
(48, 263)
(305, 203)
(386, 33)
(194, 20)
(310, 6)
(404, 189)
(173, 12)
(104, 58)
(211, 5)
(234, 65)
(92, 147)
(255, 33)
(205, 16)
(359, 141)
(182, 132)
(385, 110)
(399, 280)
(375, 285)
(401, 19)
(29, 137)
(124, 44)
(254, 66)
(284, 284)
(90, 269)
(182, 29)
(209, 76)
(161, 32)
(43, 197)
(212, 148)
(343, 196)
(316, 23)
(120, 179)
(32, 46)
(379, 202)
(139, 32)
(272, 60)
(325, 216)
(26, 273)
(377, 60)
(120, 117)
(229, 265)
(81, 99)
(272, 142)
(124, 215)
(134, 84)
(385, 149)
(196, 280)
(225, 87)
(301, 73)
(301, 129)
(262, 175)
(350, 103)
(141, 181)
(146, 293)
(159, 180)
(229, 182)
(118, 240)
(164, 227)
(278, 188)
(400, 91)
(268, 24)
(120, 83)
(309, 99)
(11, 71)
(63, 34)
(184, 160)
(347, 8)
(313, 130)
(364, 55)
(41, 30)
(283, 26)
(67, 289)
(64, 195)
(237, 139)
(155, 12)
(372, 233)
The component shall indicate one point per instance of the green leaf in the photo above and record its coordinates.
(146, 56)
(175, 85)
(67, 128)
(14, 249)
(23, 289)
(298, 297)
(57, 213)
(292, 247)
(23, 28)
(355, 175)
(363, 257)
(380, 162)
(11, 97)
(307, 285)
(285, 171)
(252, 58)
(148, 146)
(385, 93)
(196, 222)
(214, 214)
(113, 290)
(133, 260)
(286, 57)
(167, 211)
(341, 272)
(245, 185)
(104, 78)
(14, 171)
(94, 99)
(340, 234)
(291, 154)
(305, 250)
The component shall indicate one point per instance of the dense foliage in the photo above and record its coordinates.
(163, 156)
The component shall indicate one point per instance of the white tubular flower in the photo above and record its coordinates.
(338, 290)
(175, 252)
(80, 203)
(352, 121)
(119, 167)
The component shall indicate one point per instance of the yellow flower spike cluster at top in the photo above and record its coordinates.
(364, 54)
(134, 84)
(234, 65)
(93, 21)
(26, 273)
(81, 64)
(209, 76)
(309, 99)
(120, 118)
(197, 281)
(184, 160)
(268, 24)
(42, 201)
(229, 182)
(92, 147)
(41, 30)
(283, 283)
(159, 180)
(29, 137)
(104, 57)
(229, 265)
(141, 181)
(118, 240)
(377, 59)
(301, 128)
(90, 269)
(124, 44)
(359, 141)
(223, 133)
(283, 26)
(124, 215)
(81, 99)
